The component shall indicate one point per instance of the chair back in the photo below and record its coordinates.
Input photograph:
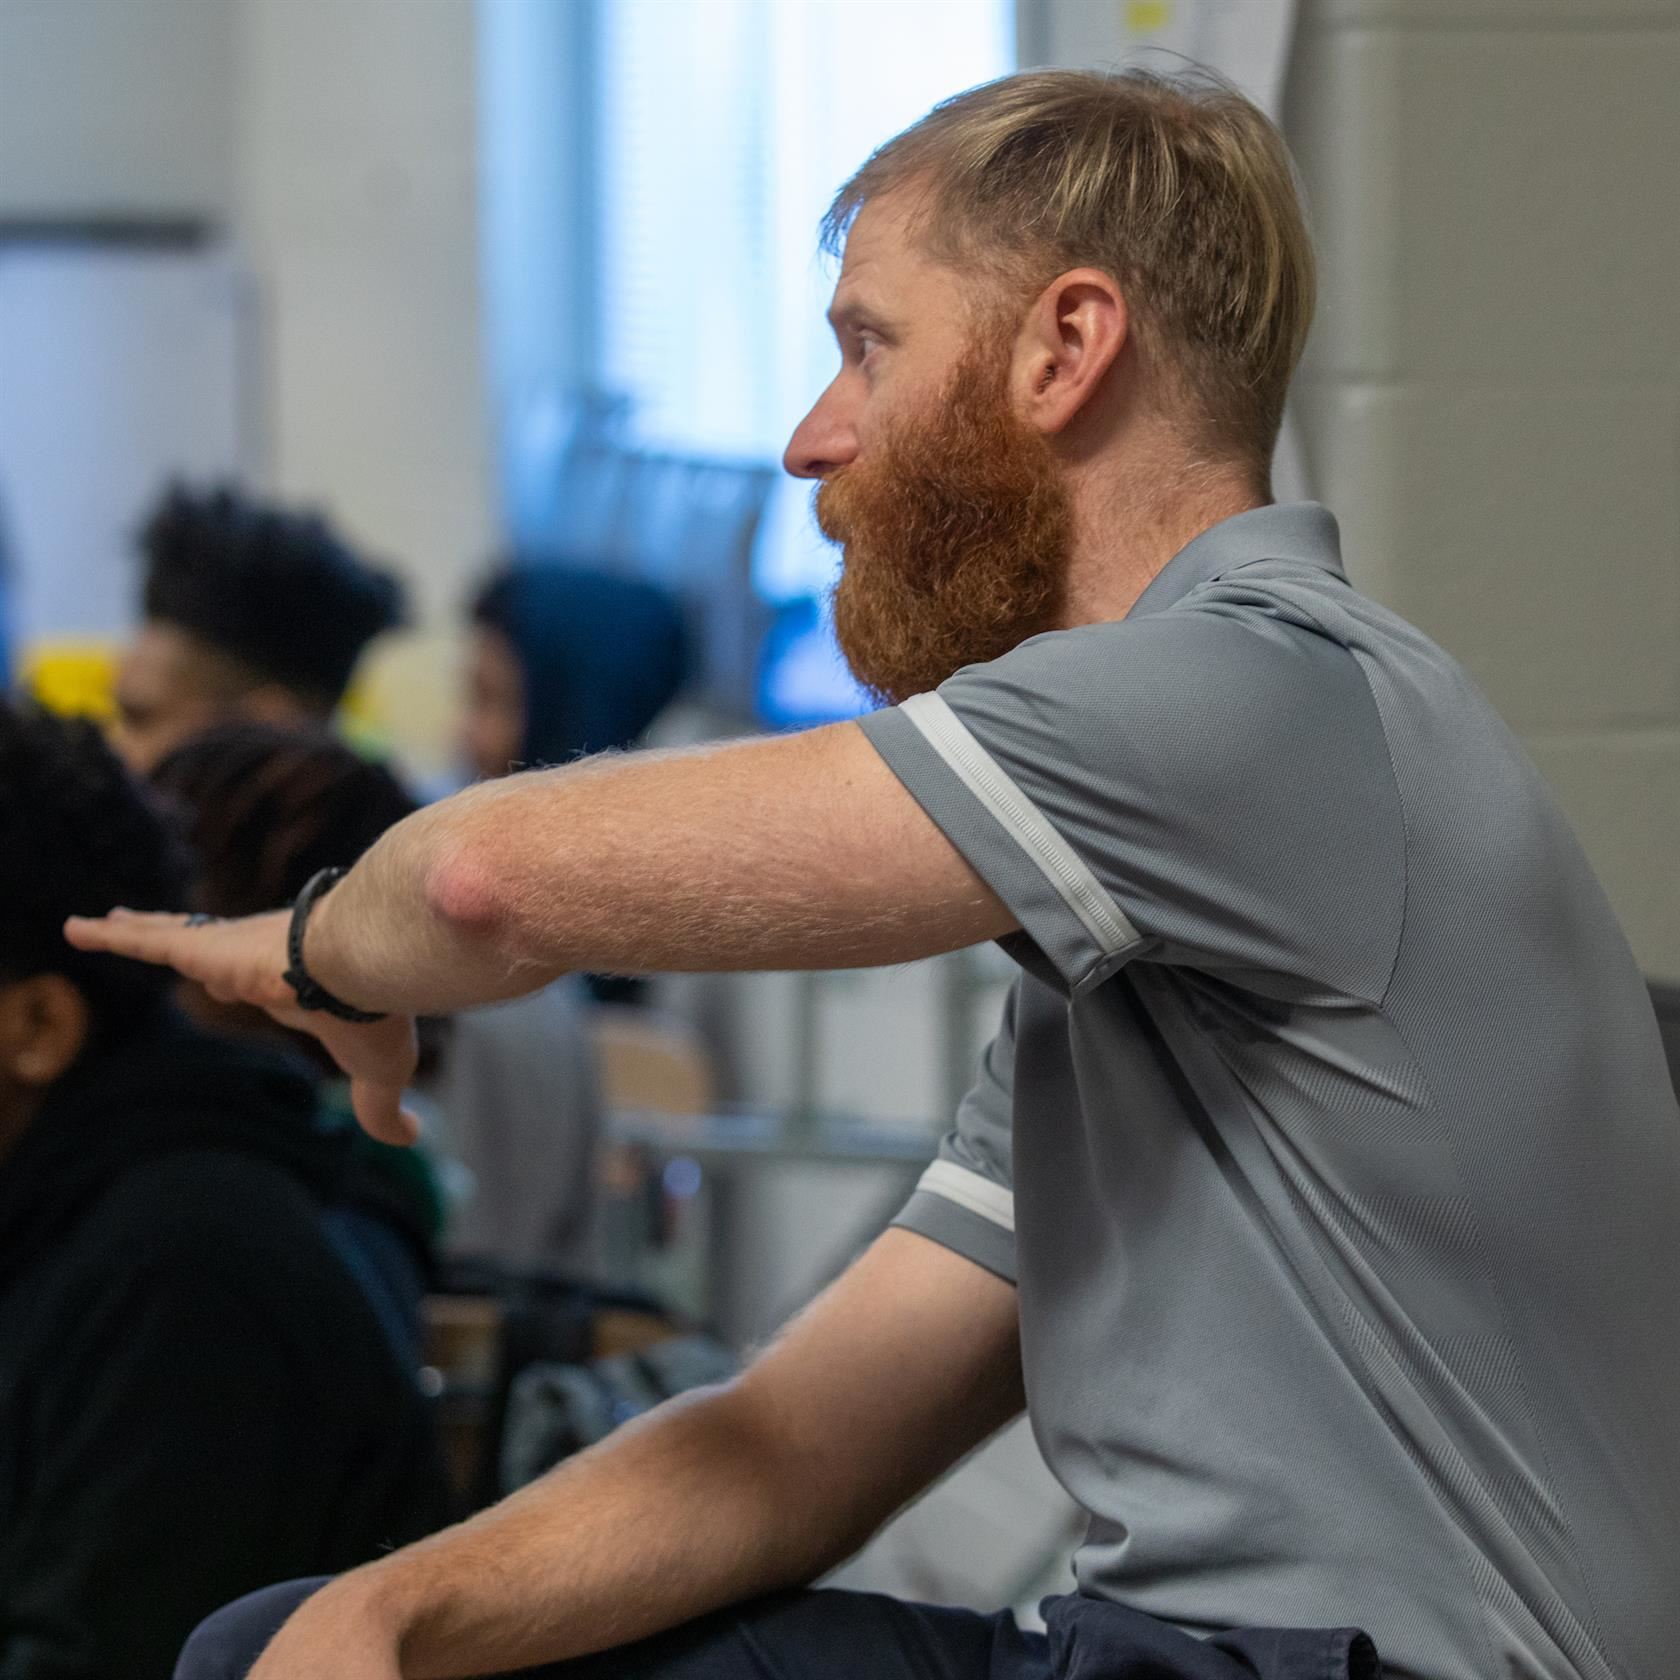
(651, 1063)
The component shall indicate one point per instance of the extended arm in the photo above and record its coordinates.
(801, 851)
(909, 1361)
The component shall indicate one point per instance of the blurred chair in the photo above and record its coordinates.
(651, 1063)
(489, 1329)
(497, 1324)
(463, 1339)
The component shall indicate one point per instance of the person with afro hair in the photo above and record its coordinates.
(196, 1394)
(250, 612)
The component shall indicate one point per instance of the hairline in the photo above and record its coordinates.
(234, 674)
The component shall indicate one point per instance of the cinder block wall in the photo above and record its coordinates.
(1491, 400)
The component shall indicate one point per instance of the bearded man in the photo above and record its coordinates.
(1316, 1194)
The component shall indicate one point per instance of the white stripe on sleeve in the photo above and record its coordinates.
(968, 1189)
(1055, 859)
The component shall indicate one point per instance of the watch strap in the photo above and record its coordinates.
(311, 994)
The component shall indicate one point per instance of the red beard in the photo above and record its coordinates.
(955, 538)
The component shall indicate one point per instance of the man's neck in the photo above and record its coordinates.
(1122, 540)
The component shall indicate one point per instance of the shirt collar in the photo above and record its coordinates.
(1302, 531)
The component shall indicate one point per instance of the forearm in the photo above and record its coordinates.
(754, 855)
(907, 1362)
(495, 892)
(672, 1517)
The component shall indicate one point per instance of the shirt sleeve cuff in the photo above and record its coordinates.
(970, 1225)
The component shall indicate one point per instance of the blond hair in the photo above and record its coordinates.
(1175, 184)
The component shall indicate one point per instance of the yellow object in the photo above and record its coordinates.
(73, 678)
(407, 698)
(1145, 17)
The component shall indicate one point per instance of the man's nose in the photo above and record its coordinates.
(823, 442)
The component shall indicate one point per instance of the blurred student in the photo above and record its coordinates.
(563, 662)
(195, 1395)
(5, 613)
(515, 1087)
(250, 612)
(264, 809)
(566, 662)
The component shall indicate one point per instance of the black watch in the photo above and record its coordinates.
(311, 994)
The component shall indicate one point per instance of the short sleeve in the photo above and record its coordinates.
(965, 1201)
(1208, 785)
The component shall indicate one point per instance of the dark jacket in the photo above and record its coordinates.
(196, 1398)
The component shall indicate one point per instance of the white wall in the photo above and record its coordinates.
(116, 106)
(357, 203)
(1491, 399)
(336, 141)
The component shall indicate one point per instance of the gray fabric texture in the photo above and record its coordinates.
(1345, 1196)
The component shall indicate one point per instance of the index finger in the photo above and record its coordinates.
(148, 936)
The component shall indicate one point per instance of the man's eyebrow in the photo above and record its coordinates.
(855, 313)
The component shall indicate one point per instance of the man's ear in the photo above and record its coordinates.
(44, 1024)
(1073, 334)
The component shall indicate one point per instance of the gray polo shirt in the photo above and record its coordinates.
(1328, 1135)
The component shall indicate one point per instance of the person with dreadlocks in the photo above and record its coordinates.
(250, 612)
(517, 1095)
(262, 808)
(195, 1394)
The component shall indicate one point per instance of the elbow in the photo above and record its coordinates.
(466, 894)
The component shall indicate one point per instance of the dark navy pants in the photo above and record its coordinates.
(827, 1635)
